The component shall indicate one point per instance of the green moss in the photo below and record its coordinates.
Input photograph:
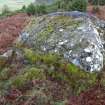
(31, 56)
(35, 57)
(80, 80)
(50, 58)
(34, 73)
(72, 68)
(19, 81)
(27, 75)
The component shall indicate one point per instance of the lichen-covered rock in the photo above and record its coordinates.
(73, 35)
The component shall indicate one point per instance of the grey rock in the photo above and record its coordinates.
(79, 42)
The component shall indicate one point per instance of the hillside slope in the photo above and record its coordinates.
(10, 29)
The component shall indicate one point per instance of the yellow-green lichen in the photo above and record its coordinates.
(46, 32)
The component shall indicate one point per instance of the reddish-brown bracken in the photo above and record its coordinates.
(10, 29)
(93, 96)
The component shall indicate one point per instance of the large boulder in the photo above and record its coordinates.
(74, 35)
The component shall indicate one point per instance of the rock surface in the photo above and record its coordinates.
(74, 35)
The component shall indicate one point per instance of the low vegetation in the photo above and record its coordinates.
(49, 78)
(60, 5)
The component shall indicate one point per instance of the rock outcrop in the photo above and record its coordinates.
(74, 35)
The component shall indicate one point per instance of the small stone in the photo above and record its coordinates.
(88, 59)
(61, 30)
